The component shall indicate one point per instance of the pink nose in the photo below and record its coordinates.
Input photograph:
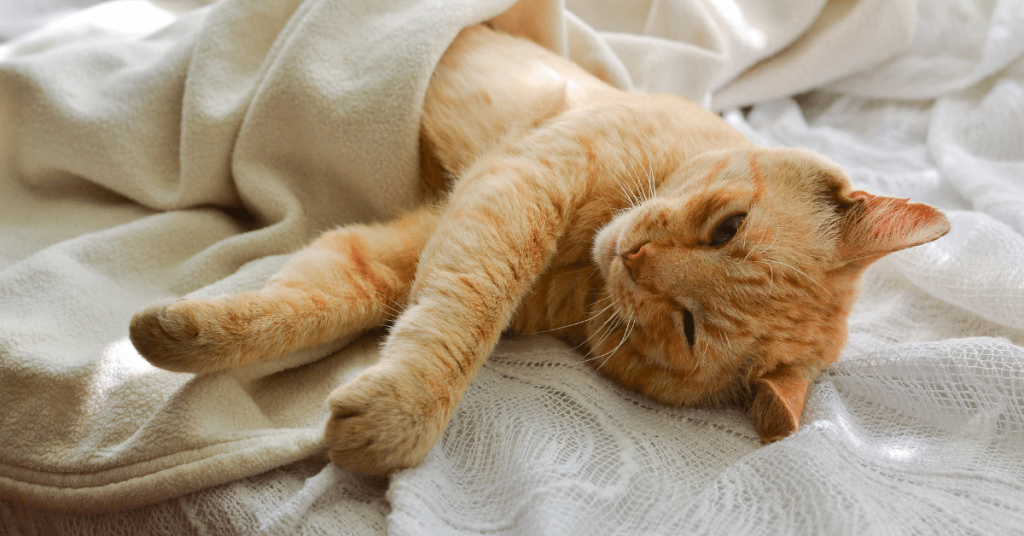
(634, 260)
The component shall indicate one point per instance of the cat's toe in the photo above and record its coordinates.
(379, 425)
(165, 339)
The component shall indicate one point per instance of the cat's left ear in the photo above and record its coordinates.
(779, 400)
(875, 225)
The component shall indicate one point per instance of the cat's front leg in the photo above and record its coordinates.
(347, 281)
(498, 235)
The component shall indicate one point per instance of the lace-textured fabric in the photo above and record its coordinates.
(918, 429)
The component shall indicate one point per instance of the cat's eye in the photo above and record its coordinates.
(689, 329)
(726, 230)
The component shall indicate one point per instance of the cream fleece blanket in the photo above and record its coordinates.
(145, 157)
(193, 157)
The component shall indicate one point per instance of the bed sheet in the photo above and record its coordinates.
(918, 429)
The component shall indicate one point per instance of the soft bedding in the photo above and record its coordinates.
(154, 150)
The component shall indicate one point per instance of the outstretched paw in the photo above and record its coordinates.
(170, 335)
(385, 420)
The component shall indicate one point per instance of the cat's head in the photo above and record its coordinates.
(733, 282)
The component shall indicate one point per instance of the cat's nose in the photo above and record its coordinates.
(634, 260)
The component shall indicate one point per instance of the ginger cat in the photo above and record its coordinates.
(691, 265)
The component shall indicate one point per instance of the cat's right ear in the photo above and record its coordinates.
(874, 225)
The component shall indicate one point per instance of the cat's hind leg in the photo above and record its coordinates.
(347, 281)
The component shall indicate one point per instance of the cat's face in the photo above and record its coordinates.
(738, 274)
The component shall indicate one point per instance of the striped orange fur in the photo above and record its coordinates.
(686, 263)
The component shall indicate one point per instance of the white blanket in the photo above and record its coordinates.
(144, 156)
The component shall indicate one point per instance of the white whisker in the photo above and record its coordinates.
(767, 249)
(627, 195)
(651, 182)
(599, 330)
(637, 189)
(797, 271)
(636, 178)
(625, 336)
(631, 323)
(771, 283)
(604, 336)
(616, 324)
(701, 361)
(587, 319)
(753, 249)
(395, 310)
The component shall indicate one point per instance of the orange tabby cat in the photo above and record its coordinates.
(693, 266)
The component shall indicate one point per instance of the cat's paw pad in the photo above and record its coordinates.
(383, 422)
(168, 336)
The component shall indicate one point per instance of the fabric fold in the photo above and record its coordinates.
(147, 156)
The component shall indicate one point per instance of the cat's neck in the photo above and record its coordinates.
(561, 303)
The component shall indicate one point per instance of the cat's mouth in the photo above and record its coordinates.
(621, 263)
(609, 248)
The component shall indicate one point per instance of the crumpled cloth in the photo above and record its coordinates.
(192, 155)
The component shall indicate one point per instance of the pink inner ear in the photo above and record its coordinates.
(881, 225)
